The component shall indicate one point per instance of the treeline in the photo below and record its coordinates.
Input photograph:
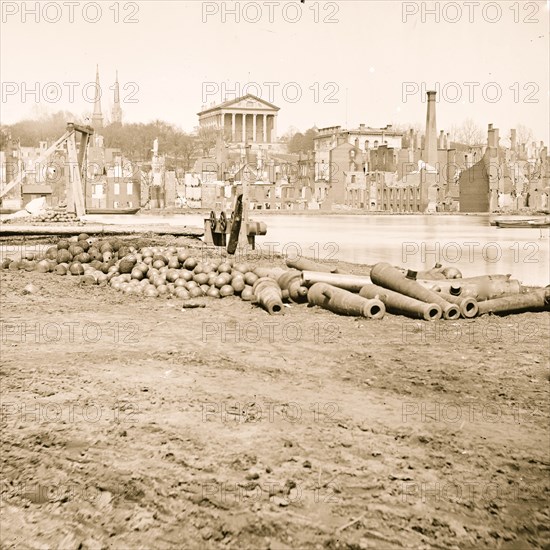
(135, 140)
(300, 142)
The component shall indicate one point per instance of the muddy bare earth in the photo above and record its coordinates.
(128, 422)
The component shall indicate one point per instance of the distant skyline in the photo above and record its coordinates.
(371, 65)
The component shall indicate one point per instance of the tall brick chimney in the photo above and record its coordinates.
(490, 136)
(430, 148)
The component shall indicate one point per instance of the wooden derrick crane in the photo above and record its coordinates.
(75, 191)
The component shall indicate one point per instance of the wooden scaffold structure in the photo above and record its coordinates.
(75, 160)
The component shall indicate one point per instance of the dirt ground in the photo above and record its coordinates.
(128, 422)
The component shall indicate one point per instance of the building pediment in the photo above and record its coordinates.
(248, 101)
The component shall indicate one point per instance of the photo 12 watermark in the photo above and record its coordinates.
(274, 492)
(318, 252)
(70, 12)
(69, 332)
(485, 331)
(471, 12)
(89, 412)
(471, 92)
(272, 92)
(258, 411)
(472, 412)
(464, 491)
(292, 12)
(46, 492)
(271, 332)
(442, 252)
(66, 92)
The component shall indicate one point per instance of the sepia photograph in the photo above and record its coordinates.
(274, 275)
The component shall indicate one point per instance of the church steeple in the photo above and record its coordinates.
(97, 117)
(117, 110)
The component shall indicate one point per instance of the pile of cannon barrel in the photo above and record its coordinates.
(439, 293)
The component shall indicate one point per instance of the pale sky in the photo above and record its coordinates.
(176, 51)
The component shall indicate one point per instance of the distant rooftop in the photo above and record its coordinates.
(361, 130)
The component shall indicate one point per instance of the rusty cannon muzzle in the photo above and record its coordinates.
(343, 302)
(402, 305)
(269, 295)
(291, 282)
(469, 307)
(385, 275)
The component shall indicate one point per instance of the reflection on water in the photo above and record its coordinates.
(417, 242)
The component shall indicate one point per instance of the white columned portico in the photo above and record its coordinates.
(233, 128)
(254, 127)
(244, 127)
(274, 131)
(264, 129)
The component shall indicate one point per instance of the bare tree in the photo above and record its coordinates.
(207, 137)
(468, 133)
(523, 134)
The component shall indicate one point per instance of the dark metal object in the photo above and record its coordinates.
(272, 272)
(468, 306)
(291, 282)
(536, 300)
(402, 305)
(303, 264)
(235, 226)
(353, 283)
(385, 275)
(343, 302)
(479, 288)
(191, 304)
(269, 295)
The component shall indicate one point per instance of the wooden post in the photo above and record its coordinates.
(243, 235)
(84, 139)
(75, 195)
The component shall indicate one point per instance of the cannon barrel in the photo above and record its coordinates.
(303, 264)
(529, 301)
(353, 283)
(385, 275)
(403, 305)
(272, 272)
(343, 302)
(269, 295)
(482, 288)
(435, 273)
(291, 282)
(256, 228)
(468, 306)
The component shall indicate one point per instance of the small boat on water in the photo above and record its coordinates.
(522, 224)
(117, 211)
